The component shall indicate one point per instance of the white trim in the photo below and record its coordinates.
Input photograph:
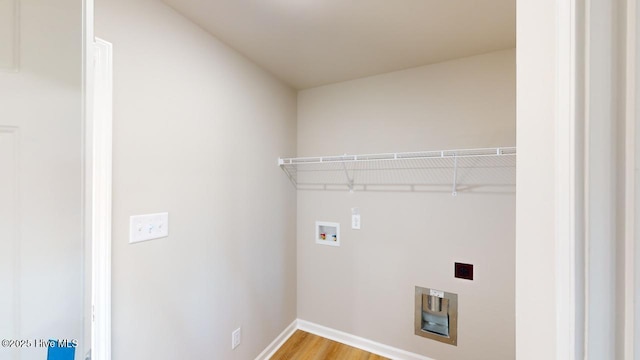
(101, 220)
(631, 259)
(15, 52)
(632, 245)
(268, 352)
(569, 187)
(341, 337)
(87, 171)
(358, 342)
(586, 181)
(602, 90)
(14, 231)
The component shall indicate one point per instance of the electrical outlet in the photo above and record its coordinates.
(355, 222)
(355, 218)
(235, 338)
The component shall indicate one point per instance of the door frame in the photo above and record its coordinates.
(102, 200)
(87, 172)
(97, 93)
(632, 199)
(571, 149)
(569, 142)
(596, 109)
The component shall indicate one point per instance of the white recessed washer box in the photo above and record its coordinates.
(327, 233)
(148, 227)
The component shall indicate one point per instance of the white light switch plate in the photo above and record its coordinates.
(148, 227)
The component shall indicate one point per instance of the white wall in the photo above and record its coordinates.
(41, 289)
(536, 173)
(366, 286)
(197, 132)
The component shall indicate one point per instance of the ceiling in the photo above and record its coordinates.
(308, 43)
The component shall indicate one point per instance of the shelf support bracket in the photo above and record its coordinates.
(454, 191)
(349, 180)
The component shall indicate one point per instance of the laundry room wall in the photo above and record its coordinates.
(197, 132)
(366, 286)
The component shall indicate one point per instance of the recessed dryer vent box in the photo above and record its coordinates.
(327, 233)
(436, 315)
(464, 271)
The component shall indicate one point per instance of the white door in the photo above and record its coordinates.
(41, 252)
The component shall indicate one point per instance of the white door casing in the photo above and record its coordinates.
(594, 37)
(9, 35)
(632, 235)
(9, 235)
(101, 224)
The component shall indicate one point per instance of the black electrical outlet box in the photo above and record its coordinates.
(464, 271)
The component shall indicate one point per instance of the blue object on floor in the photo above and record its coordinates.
(64, 352)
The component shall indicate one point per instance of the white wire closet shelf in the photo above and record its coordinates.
(473, 170)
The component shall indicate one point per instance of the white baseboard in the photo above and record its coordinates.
(341, 337)
(358, 342)
(277, 343)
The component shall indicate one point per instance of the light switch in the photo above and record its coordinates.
(148, 227)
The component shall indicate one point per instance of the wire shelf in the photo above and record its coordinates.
(490, 169)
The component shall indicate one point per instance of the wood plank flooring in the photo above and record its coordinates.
(304, 346)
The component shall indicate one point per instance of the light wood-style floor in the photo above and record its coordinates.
(304, 346)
